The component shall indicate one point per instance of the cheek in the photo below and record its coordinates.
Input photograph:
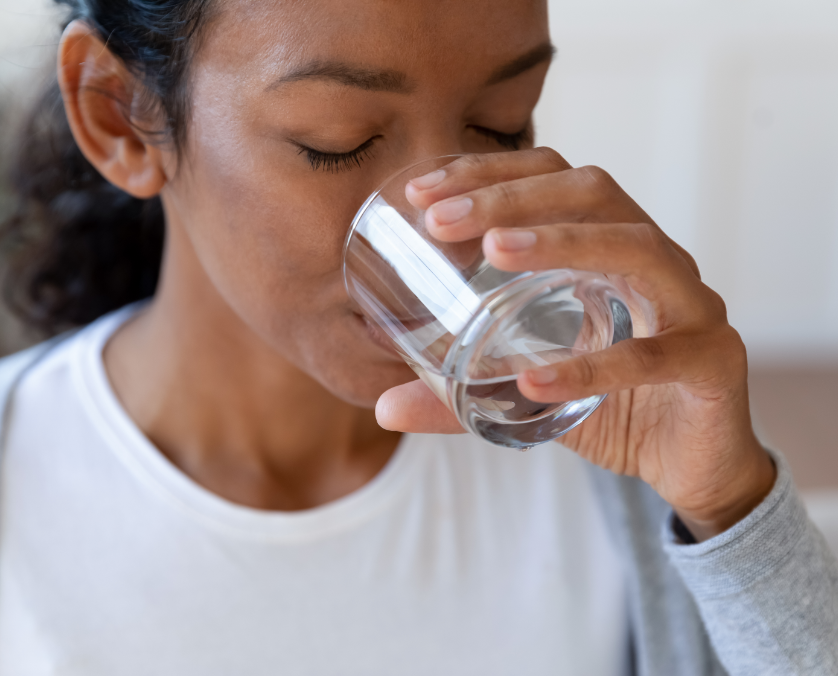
(268, 240)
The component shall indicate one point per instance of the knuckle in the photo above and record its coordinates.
(595, 190)
(647, 235)
(718, 305)
(586, 372)
(598, 178)
(504, 196)
(711, 307)
(691, 262)
(550, 156)
(734, 347)
(566, 236)
(726, 349)
(648, 354)
(650, 240)
(739, 356)
(471, 164)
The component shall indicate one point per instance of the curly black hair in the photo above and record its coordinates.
(77, 246)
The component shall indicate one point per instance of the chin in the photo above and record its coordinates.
(363, 385)
(352, 362)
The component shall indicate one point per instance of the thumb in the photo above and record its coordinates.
(412, 407)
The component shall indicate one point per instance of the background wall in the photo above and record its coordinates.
(721, 118)
(28, 35)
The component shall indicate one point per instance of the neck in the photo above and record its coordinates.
(233, 414)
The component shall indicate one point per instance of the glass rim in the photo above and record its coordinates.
(362, 210)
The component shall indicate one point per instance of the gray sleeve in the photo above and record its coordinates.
(767, 589)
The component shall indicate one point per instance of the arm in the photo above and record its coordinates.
(677, 416)
(767, 588)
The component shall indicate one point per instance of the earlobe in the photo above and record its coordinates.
(98, 91)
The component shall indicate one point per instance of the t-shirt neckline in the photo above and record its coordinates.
(122, 436)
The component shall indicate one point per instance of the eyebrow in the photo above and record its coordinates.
(544, 52)
(386, 80)
(349, 76)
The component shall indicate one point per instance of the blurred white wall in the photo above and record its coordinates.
(720, 117)
(29, 31)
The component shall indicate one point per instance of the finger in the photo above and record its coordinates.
(639, 252)
(475, 171)
(587, 194)
(522, 189)
(698, 359)
(412, 407)
(687, 256)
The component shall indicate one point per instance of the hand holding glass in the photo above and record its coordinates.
(468, 329)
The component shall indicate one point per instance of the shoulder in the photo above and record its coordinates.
(15, 366)
(16, 369)
(54, 355)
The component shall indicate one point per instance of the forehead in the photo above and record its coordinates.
(259, 40)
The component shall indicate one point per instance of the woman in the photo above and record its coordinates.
(198, 484)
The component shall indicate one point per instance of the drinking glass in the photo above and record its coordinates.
(468, 329)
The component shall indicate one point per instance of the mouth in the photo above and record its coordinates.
(414, 323)
(377, 336)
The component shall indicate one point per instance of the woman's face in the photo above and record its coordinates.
(276, 83)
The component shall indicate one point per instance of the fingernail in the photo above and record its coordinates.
(513, 240)
(541, 377)
(446, 213)
(428, 180)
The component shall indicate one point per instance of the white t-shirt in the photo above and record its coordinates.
(458, 558)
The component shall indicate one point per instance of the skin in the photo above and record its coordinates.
(251, 369)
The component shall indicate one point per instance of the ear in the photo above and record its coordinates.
(98, 92)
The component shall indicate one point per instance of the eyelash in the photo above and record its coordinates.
(337, 162)
(509, 141)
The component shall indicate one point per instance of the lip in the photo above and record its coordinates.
(376, 336)
(417, 322)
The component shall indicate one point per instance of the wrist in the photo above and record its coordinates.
(751, 486)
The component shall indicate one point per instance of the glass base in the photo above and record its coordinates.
(534, 321)
(554, 421)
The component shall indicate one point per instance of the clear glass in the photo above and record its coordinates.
(467, 329)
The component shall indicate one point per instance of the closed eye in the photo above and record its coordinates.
(514, 141)
(336, 162)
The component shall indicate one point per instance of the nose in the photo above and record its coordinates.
(437, 139)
